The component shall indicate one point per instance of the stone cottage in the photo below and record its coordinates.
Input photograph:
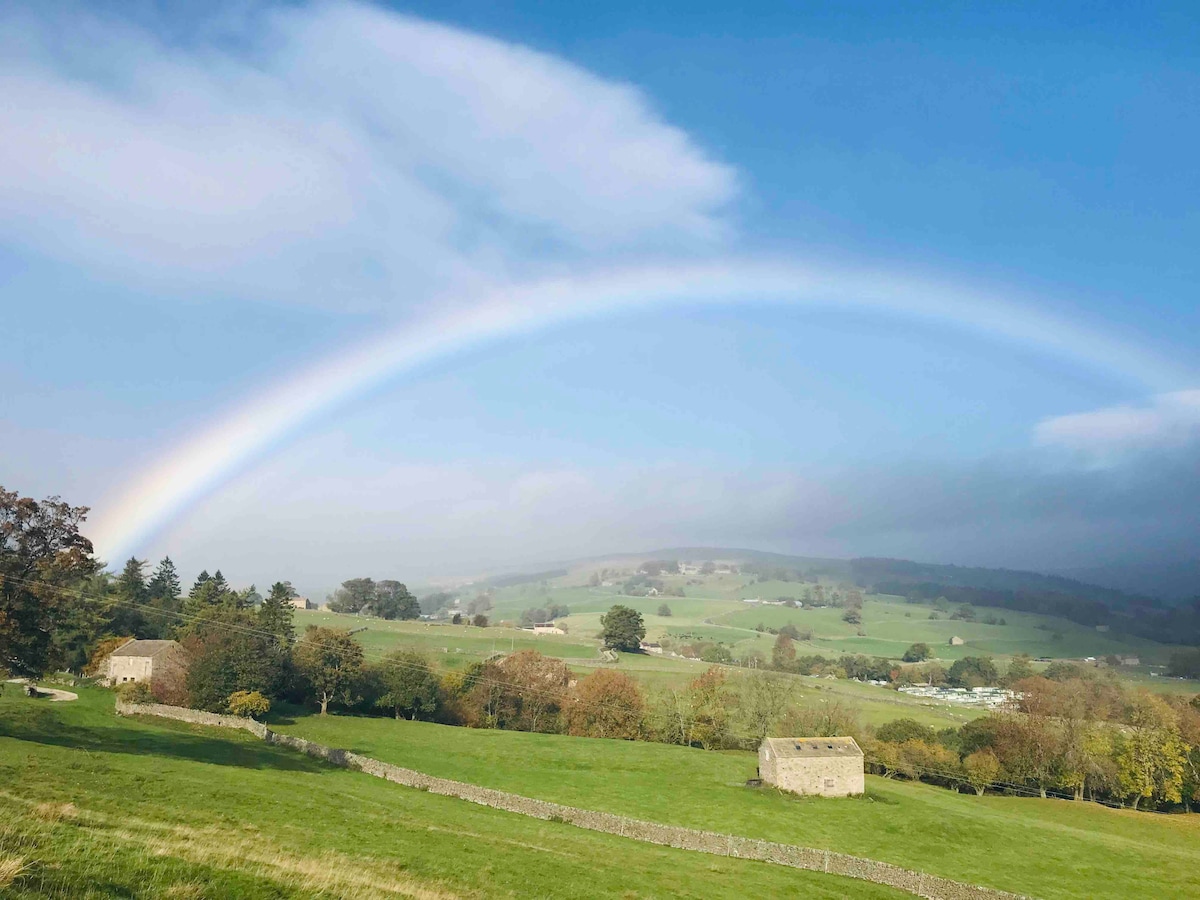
(825, 766)
(956, 641)
(144, 660)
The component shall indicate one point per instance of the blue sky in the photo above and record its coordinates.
(195, 208)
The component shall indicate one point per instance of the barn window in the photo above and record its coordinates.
(828, 782)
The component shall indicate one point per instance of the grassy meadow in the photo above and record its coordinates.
(1044, 848)
(96, 806)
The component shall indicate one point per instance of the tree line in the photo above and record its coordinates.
(1074, 732)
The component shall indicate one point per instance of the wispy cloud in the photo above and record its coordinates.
(331, 153)
(1169, 420)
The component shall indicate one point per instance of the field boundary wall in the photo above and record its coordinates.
(921, 884)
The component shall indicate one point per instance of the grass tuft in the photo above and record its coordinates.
(11, 868)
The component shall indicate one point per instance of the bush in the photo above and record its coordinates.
(248, 704)
(135, 692)
(917, 653)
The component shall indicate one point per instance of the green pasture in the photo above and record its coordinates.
(1043, 848)
(96, 806)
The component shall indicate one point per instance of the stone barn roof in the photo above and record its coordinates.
(144, 648)
(813, 747)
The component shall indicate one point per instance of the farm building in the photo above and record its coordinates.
(956, 641)
(302, 603)
(650, 647)
(828, 767)
(546, 628)
(144, 660)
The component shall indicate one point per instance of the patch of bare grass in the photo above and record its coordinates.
(56, 812)
(11, 868)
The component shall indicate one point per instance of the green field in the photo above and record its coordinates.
(1045, 848)
(97, 806)
(713, 611)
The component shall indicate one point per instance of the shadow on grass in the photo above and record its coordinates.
(152, 739)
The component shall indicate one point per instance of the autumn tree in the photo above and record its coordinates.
(331, 661)
(535, 689)
(42, 557)
(1151, 759)
(606, 704)
(710, 697)
(783, 654)
(982, 769)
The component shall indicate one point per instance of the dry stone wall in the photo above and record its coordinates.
(928, 886)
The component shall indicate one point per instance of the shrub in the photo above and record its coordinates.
(248, 704)
(135, 692)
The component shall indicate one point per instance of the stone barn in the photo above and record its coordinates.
(825, 766)
(144, 660)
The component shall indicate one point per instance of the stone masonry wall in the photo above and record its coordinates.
(928, 886)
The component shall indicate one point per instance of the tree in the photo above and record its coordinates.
(972, 672)
(709, 696)
(164, 585)
(783, 654)
(853, 616)
(393, 601)
(353, 596)
(1150, 764)
(126, 615)
(606, 704)
(275, 613)
(331, 660)
(664, 610)
(209, 593)
(1018, 669)
(621, 628)
(917, 653)
(228, 653)
(42, 557)
(409, 684)
(536, 688)
(898, 731)
(762, 701)
(480, 620)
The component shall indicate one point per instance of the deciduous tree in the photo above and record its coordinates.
(606, 704)
(410, 688)
(622, 628)
(42, 557)
(330, 660)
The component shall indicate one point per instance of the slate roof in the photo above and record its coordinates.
(813, 747)
(144, 648)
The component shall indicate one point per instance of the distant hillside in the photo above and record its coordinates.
(907, 572)
(1173, 581)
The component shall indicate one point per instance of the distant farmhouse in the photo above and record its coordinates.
(302, 603)
(956, 641)
(824, 766)
(546, 628)
(651, 647)
(144, 660)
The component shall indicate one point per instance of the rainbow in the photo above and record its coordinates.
(267, 421)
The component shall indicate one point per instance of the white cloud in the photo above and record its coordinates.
(1170, 420)
(329, 153)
